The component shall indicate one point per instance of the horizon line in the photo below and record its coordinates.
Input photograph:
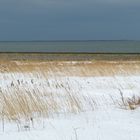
(67, 40)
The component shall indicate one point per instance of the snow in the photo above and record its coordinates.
(106, 122)
(100, 124)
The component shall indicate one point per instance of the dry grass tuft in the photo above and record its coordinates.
(129, 103)
(21, 104)
(17, 104)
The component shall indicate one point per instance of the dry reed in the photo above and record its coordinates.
(129, 103)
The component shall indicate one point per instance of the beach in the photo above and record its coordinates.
(69, 99)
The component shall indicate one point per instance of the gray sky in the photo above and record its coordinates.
(69, 19)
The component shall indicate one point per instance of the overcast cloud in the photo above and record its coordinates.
(69, 19)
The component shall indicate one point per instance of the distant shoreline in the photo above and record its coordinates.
(89, 47)
(68, 57)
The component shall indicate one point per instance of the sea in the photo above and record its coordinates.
(88, 46)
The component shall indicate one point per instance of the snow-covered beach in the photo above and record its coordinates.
(100, 115)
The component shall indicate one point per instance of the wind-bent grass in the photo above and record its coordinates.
(22, 104)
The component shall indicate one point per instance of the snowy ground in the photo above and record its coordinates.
(106, 122)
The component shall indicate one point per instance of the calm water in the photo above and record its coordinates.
(72, 46)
